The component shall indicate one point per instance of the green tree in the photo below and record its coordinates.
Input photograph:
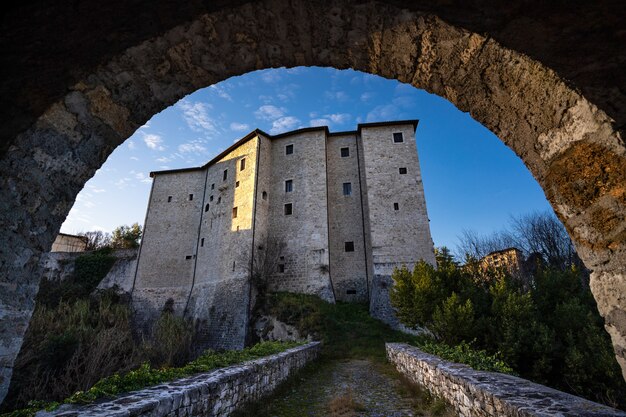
(126, 237)
(453, 320)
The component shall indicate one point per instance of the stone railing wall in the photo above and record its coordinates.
(218, 393)
(479, 393)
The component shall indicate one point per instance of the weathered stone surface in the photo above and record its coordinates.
(482, 394)
(567, 127)
(216, 394)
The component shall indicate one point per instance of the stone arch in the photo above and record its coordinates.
(568, 144)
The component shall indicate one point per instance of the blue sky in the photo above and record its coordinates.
(471, 179)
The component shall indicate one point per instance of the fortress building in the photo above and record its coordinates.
(321, 213)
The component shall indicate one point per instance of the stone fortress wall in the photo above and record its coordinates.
(344, 207)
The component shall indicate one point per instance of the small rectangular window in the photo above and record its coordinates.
(210, 198)
(188, 257)
(237, 184)
(219, 200)
(349, 246)
(234, 212)
(212, 186)
(345, 152)
(242, 164)
(397, 137)
(288, 209)
(402, 171)
(281, 268)
(350, 291)
(288, 186)
(206, 208)
(169, 199)
(202, 242)
(396, 206)
(225, 175)
(190, 197)
(347, 188)
(264, 195)
(288, 149)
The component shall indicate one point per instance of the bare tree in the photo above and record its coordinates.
(96, 239)
(265, 262)
(538, 234)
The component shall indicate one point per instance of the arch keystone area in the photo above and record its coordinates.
(570, 144)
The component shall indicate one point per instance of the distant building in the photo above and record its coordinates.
(69, 243)
(344, 208)
(510, 259)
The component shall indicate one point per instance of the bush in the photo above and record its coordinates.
(547, 330)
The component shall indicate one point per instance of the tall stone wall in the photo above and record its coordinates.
(399, 225)
(348, 270)
(165, 266)
(488, 394)
(220, 296)
(305, 231)
(215, 394)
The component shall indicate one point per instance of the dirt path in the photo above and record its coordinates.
(355, 387)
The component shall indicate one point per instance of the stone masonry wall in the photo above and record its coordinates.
(217, 394)
(345, 220)
(305, 231)
(488, 394)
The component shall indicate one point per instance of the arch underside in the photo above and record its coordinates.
(568, 144)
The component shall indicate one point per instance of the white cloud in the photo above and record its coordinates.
(336, 95)
(383, 113)
(131, 144)
(189, 147)
(319, 122)
(403, 101)
(163, 160)
(221, 92)
(96, 190)
(122, 183)
(196, 115)
(270, 76)
(269, 112)
(367, 96)
(153, 141)
(142, 177)
(284, 124)
(339, 118)
(239, 127)
(134, 158)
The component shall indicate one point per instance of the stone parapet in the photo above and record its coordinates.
(218, 393)
(479, 394)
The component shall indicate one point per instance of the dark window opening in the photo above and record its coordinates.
(188, 257)
(288, 186)
(288, 209)
(396, 206)
(169, 199)
(210, 198)
(242, 164)
(202, 242)
(206, 208)
(397, 137)
(281, 268)
(234, 212)
(212, 186)
(347, 188)
(225, 177)
(233, 266)
(190, 197)
(402, 171)
(237, 184)
(345, 152)
(264, 195)
(350, 291)
(288, 149)
(219, 200)
(282, 258)
(349, 246)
